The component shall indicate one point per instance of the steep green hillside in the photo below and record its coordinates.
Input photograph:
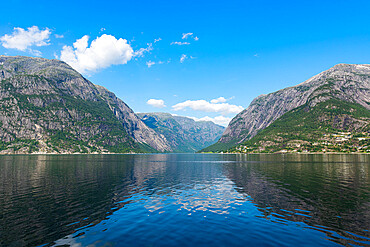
(329, 126)
(219, 147)
(46, 106)
(345, 82)
(64, 123)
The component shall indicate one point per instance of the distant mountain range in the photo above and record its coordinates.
(48, 107)
(328, 113)
(182, 133)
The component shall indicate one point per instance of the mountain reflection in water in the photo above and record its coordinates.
(184, 199)
(329, 193)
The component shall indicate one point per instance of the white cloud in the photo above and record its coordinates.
(186, 35)
(22, 39)
(141, 51)
(191, 35)
(158, 103)
(150, 63)
(35, 52)
(205, 106)
(218, 100)
(180, 43)
(183, 57)
(103, 52)
(59, 36)
(221, 120)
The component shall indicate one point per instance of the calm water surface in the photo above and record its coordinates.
(185, 200)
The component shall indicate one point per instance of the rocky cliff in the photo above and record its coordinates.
(46, 106)
(347, 82)
(183, 134)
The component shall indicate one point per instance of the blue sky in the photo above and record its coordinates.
(237, 50)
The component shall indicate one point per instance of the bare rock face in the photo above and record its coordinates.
(50, 105)
(348, 82)
(133, 124)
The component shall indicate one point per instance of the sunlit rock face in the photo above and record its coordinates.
(348, 82)
(50, 103)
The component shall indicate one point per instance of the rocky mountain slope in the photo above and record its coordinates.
(183, 134)
(46, 106)
(330, 126)
(344, 82)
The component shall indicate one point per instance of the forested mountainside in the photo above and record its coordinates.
(46, 106)
(328, 104)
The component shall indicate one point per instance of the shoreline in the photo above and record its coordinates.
(4, 154)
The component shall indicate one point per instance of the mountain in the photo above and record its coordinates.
(330, 126)
(184, 134)
(46, 106)
(344, 87)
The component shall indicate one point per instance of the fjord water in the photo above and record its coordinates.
(185, 200)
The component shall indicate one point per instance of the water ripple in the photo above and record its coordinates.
(171, 200)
